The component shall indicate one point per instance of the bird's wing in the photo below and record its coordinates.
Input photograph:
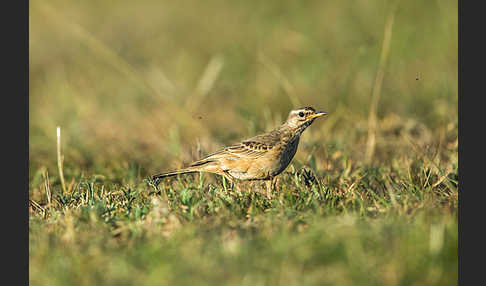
(254, 147)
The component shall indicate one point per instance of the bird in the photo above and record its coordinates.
(261, 157)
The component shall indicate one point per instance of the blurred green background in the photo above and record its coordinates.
(140, 87)
(144, 82)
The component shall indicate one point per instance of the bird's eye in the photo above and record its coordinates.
(301, 114)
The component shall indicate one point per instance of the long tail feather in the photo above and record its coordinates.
(198, 166)
(157, 177)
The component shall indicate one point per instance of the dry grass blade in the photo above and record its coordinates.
(375, 97)
(282, 79)
(97, 46)
(60, 159)
(206, 82)
(35, 205)
(47, 187)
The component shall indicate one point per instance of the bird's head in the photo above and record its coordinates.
(302, 118)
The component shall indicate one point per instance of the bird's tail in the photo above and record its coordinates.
(206, 165)
(158, 177)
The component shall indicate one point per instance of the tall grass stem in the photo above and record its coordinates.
(60, 159)
(375, 96)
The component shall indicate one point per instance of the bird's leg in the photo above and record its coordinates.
(269, 186)
(224, 180)
(276, 183)
(238, 189)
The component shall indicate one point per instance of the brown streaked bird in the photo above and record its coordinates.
(258, 158)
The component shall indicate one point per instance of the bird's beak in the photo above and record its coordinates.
(317, 114)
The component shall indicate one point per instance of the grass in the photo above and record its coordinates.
(352, 226)
(139, 89)
(363, 228)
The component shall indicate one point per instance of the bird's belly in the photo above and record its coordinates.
(265, 167)
(257, 169)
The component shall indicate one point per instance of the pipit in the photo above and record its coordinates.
(258, 158)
